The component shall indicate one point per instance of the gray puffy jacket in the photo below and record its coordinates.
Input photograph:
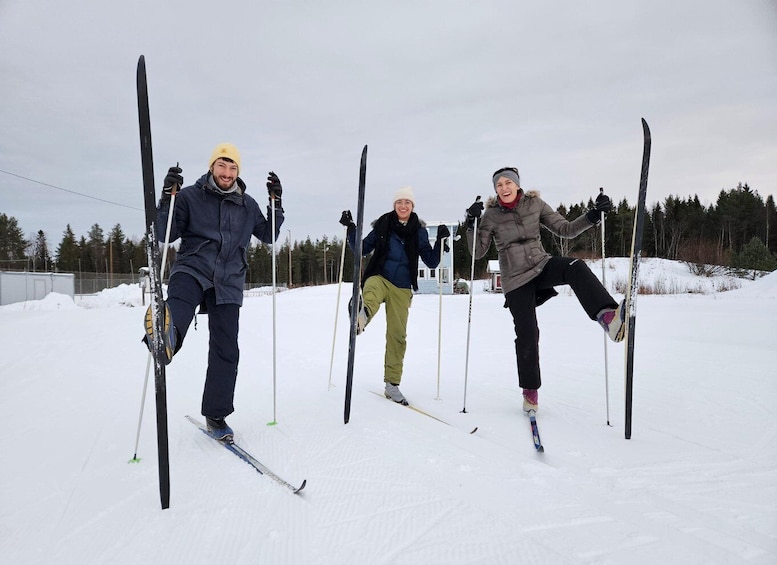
(516, 234)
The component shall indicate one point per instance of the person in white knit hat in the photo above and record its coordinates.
(397, 240)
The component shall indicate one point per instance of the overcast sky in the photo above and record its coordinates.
(442, 92)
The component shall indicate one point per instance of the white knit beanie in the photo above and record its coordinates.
(404, 193)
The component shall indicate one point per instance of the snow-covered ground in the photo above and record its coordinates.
(697, 483)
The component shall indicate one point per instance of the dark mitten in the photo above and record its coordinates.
(274, 188)
(602, 204)
(347, 220)
(173, 182)
(474, 212)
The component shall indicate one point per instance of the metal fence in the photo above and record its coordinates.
(92, 283)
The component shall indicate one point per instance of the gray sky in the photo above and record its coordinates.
(443, 92)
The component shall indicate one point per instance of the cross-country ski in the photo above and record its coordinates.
(633, 282)
(235, 449)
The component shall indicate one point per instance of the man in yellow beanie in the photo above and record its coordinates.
(214, 218)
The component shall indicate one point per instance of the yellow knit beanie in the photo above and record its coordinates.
(225, 151)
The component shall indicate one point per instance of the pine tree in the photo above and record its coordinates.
(96, 250)
(116, 251)
(755, 257)
(40, 253)
(12, 242)
(68, 252)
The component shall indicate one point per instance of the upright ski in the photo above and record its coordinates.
(356, 295)
(633, 285)
(248, 458)
(535, 431)
(157, 302)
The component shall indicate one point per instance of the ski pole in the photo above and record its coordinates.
(274, 357)
(150, 355)
(469, 316)
(337, 306)
(604, 335)
(439, 320)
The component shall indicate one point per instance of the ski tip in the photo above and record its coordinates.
(645, 127)
(541, 449)
(302, 486)
(473, 431)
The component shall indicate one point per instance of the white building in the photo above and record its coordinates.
(495, 275)
(429, 280)
(24, 286)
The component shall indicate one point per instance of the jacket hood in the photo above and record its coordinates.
(236, 196)
(493, 201)
(420, 221)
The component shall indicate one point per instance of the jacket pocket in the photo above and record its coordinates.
(243, 252)
(186, 251)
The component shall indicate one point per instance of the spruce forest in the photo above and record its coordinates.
(737, 233)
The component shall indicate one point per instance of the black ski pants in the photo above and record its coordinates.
(184, 294)
(522, 303)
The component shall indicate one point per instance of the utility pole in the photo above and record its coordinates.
(289, 257)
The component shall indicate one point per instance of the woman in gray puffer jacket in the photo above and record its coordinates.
(512, 219)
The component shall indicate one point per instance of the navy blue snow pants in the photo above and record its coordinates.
(523, 302)
(184, 294)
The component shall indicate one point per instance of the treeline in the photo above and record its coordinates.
(737, 232)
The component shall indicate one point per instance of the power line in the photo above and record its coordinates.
(69, 191)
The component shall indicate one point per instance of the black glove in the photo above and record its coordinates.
(274, 188)
(347, 220)
(173, 182)
(601, 204)
(442, 236)
(474, 212)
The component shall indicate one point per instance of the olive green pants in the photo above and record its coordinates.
(377, 291)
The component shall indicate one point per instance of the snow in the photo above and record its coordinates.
(696, 483)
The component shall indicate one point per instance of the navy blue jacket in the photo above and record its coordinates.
(215, 231)
(395, 264)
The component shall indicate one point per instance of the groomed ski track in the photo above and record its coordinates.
(393, 486)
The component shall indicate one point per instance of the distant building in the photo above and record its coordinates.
(21, 287)
(429, 280)
(495, 276)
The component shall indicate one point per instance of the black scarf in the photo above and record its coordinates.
(408, 232)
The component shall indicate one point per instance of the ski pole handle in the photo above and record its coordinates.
(176, 187)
